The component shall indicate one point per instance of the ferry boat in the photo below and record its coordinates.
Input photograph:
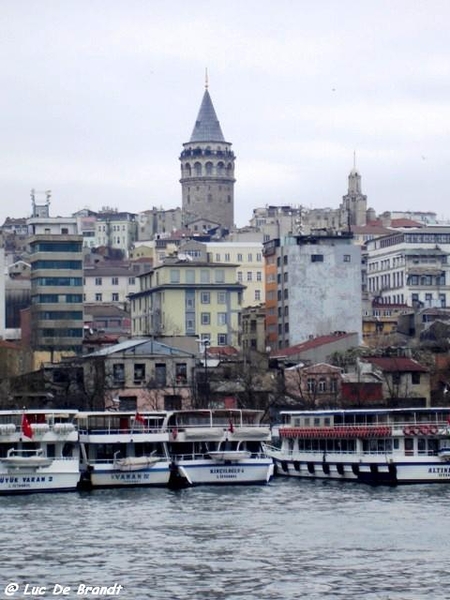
(123, 449)
(376, 446)
(38, 451)
(218, 446)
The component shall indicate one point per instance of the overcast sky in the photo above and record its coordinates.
(98, 96)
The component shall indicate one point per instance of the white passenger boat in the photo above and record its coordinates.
(38, 451)
(218, 446)
(123, 449)
(377, 446)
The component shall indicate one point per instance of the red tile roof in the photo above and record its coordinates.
(316, 342)
(396, 363)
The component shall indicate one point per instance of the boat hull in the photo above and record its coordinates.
(211, 472)
(375, 472)
(108, 476)
(55, 479)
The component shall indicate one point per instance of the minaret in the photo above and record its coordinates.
(354, 202)
(207, 170)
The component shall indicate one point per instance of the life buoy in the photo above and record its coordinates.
(424, 429)
(433, 430)
(408, 430)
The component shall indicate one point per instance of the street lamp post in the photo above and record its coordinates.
(206, 344)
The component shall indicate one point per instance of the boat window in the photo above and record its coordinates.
(316, 421)
(396, 443)
(68, 449)
(409, 446)
(327, 421)
(297, 422)
(51, 450)
(421, 446)
(307, 421)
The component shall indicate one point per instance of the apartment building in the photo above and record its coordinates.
(410, 267)
(186, 297)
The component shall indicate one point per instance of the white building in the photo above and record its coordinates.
(410, 267)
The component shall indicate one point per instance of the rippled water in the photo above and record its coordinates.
(290, 539)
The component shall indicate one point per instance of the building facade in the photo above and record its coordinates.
(56, 259)
(183, 297)
(410, 267)
(317, 287)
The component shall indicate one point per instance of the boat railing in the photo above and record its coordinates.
(121, 431)
(205, 456)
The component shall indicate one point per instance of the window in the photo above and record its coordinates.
(415, 378)
(396, 378)
(114, 281)
(258, 276)
(219, 276)
(221, 318)
(98, 297)
(190, 276)
(249, 276)
(221, 297)
(206, 318)
(316, 257)
(131, 280)
(174, 275)
(239, 276)
(204, 276)
(222, 339)
(139, 372)
(181, 372)
(160, 374)
(205, 297)
(227, 257)
(258, 295)
(322, 385)
(347, 258)
(119, 373)
(239, 257)
(98, 281)
(311, 384)
(115, 297)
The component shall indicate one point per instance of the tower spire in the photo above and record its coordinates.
(206, 78)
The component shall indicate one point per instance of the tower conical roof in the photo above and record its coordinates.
(207, 126)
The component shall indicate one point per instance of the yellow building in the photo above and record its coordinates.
(189, 297)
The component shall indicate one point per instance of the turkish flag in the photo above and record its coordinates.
(139, 418)
(26, 427)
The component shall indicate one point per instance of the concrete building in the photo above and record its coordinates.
(158, 221)
(141, 374)
(318, 286)
(184, 297)
(207, 172)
